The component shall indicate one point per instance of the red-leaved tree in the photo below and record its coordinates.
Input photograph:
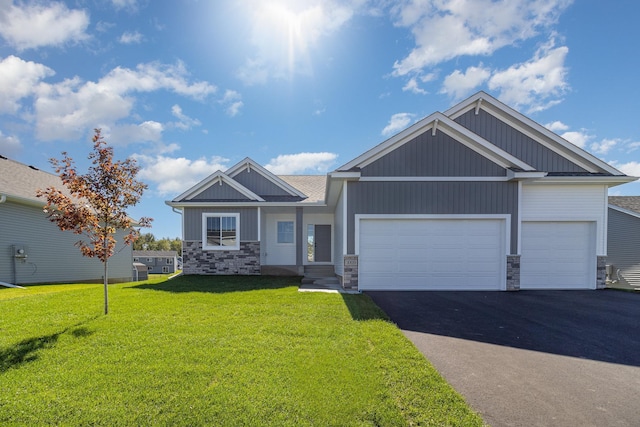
(96, 207)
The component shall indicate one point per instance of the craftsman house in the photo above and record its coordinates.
(479, 197)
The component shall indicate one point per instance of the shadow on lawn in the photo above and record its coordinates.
(362, 307)
(220, 284)
(27, 350)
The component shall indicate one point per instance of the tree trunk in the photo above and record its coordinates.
(106, 289)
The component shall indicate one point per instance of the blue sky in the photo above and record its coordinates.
(302, 86)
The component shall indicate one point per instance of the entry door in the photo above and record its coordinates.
(319, 240)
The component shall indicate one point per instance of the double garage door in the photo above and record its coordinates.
(470, 254)
(434, 254)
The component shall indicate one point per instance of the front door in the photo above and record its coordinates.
(319, 243)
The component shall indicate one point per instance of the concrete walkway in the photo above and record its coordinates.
(532, 358)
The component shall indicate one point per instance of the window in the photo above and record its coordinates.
(149, 260)
(285, 231)
(220, 231)
(169, 260)
(136, 259)
(165, 269)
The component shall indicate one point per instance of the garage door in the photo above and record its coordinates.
(431, 254)
(558, 255)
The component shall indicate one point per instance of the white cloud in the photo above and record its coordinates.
(458, 84)
(185, 122)
(579, 138)
(397, 122)
(283, 34)
(444, 30)
(149, 131)
(412, 86)
(556, 126)
(19, 79)
(130, 38)
(289, 164)
(174, 175)
(125, 4)
(232, 101)
(536, 83)
(33, 25)
(67, 109)
(604, 146)
(10, 146)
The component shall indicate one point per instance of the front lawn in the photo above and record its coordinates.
(212, 351)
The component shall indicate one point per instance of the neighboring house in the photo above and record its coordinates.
(35, 250)
(479, 197)
(140, 272)
(157, 262)
(623, 243)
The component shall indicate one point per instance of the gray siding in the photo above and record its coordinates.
(248, 222)
(52, 256)
(432, 198)
(259, 184)
(428, 155)
(623, 246)
(516, 143)
(220, 192)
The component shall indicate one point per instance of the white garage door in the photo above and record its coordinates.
(431, 254)
(558, 255)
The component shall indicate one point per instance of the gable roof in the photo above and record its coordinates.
(626, 204)
(439, 122)
(249, 164)
(20, 182)
(539, 133)
(217, 177)
(152, 254)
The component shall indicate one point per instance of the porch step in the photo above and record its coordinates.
(319, 271)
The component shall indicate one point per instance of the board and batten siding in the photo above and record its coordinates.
(220, 192)
(429, 155)
(193, 222)
(433, 197)
(257, 183)
(623, 247)
(515, 142)
(555, 202)
(52, 254)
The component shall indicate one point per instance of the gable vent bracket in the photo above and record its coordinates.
(478, 106)
(435, 127)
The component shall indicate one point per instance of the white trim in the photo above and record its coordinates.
(259, 223)
(449, 127)
(251, 164)
(345, 222)
(218, 177)
(243, 204)
(206, 215)
(610, 181)
(623, 210)
(433, 178)
(519, 219)
(508, 114)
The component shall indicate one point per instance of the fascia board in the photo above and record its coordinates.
(624, 211)
(248, 162)
(382, 148)
(610, 181)
(530, 128)
(241, 204)
(199, 186)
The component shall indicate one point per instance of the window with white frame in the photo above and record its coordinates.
(165, 269)
(169, 260)
(285, 232)
(220, 231)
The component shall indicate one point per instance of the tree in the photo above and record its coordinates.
(145, 242)
(98, 202)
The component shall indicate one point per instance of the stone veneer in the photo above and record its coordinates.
(601, 272)
(350, 274)
(513, 272)
(246, 260)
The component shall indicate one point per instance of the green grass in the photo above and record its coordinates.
(212, 351)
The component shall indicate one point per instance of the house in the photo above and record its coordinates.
(623, 243)
(479, 197)
(157, 262)
(140, 272)
(35, 250)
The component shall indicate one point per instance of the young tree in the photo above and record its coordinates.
(98, 202)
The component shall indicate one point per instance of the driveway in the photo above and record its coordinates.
(531, 358)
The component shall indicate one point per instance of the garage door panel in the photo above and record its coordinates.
(431, 254)
(558, 255)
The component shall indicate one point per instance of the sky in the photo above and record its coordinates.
(302, 86)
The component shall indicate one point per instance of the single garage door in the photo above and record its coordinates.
(558, 255)
(431, 254)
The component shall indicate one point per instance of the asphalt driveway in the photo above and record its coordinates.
(531, 358)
